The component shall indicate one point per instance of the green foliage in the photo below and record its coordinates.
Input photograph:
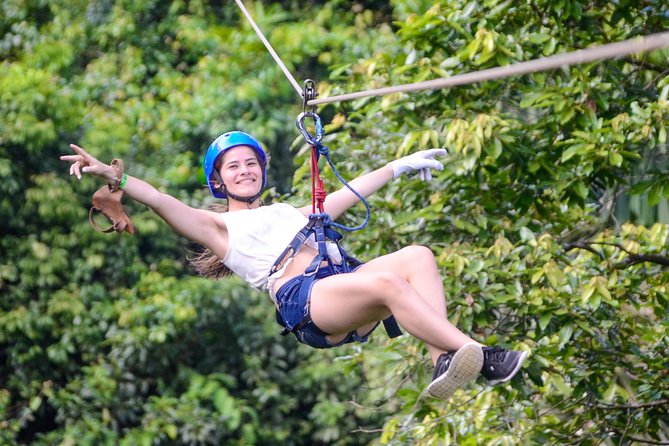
(108, 339)
(521, 219)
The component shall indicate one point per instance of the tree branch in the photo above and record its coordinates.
(639, 439)
(632, 259)
(583, 245)
(643, 440)
(632, 406)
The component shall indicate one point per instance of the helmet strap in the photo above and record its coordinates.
(248, 200)
(228, 194)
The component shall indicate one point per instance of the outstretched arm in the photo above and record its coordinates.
(340, 201)
(196, 224)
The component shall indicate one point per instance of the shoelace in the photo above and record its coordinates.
(495, 354)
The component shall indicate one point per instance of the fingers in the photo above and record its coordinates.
(425, 174)
(75, 169)
(433, 164)
(425, 165)
(78, 149)
(419, 162)
(80, 161)
(431, 153)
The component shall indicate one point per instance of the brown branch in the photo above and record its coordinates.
(653, 83)
(639, 439)
(643, 440)
(632, 406)
(632, 259)
(615, 245)
(366, 431)
(627, 427)
(583, 245)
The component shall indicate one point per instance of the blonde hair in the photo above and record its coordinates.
(205, 262)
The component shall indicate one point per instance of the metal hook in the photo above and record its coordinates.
(312, 140)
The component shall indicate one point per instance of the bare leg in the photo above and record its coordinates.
(405, 283)
(416, 265)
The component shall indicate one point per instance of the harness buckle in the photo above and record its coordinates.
(288, 254)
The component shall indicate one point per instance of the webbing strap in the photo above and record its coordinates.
(392, 327)
(318, 193)
(319, 226)
(294, 246)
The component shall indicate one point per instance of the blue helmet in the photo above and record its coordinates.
(225, 142)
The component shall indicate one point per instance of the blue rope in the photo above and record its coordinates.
(323, 150)
(315, 141)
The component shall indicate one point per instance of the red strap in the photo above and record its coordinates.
(317, 187)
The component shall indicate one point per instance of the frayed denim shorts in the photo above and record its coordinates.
(293, 301)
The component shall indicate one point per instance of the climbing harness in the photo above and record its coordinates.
(320, 224)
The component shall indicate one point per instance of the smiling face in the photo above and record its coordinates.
(241, 172)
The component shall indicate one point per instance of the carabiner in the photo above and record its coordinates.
(319, 132)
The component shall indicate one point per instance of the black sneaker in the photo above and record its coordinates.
(455, 369)
(500, 365)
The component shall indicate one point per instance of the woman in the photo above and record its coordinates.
(340, 307)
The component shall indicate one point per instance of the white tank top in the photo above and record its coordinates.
(257, 237)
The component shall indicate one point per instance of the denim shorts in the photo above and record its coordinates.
(293, 306)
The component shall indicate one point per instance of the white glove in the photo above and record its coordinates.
(420, 161)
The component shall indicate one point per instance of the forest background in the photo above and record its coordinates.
(549, 222)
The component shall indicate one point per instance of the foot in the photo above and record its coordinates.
(455, 369)
(500, 365)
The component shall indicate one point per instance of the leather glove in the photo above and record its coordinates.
(107, 200)
(421, 162)
(109, 204)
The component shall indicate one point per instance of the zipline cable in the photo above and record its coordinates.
(276, 57)
(609, 51)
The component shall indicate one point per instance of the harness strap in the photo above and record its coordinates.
(392, 327)
(306, 320)
(318, 193)
(319, 226)
(294, 246)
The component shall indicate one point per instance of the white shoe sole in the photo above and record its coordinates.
(519, 364)
(465, 366)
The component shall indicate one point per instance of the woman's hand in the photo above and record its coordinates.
(421, 161)
(83, 162)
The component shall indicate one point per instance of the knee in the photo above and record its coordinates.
(418, 256)
(389, 285)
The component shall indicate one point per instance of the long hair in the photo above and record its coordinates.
(205, 262)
